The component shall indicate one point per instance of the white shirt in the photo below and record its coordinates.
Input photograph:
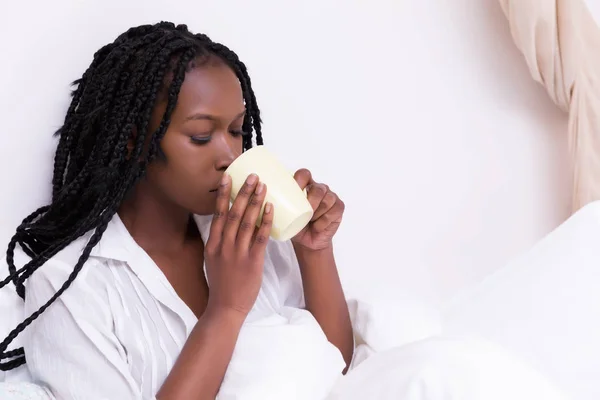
(117, 331)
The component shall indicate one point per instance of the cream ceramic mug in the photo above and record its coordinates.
(292, 211)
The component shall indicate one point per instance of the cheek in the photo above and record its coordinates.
(182, 184)
(182, 172)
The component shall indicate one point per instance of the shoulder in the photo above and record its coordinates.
(49, 277)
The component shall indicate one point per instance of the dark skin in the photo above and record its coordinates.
(202, 140)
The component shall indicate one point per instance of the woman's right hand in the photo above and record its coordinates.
(235, 250)
(234, 256)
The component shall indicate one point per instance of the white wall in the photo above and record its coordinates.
(594, 7)
(420, 113)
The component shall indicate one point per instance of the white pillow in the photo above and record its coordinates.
(545, 306)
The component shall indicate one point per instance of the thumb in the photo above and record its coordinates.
(303, 177)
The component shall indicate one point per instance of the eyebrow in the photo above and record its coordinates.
(210, 117)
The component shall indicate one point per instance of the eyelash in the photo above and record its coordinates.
(206, 139)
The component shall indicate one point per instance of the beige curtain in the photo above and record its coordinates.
(561, 44)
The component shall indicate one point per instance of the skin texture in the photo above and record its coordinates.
(202, 140)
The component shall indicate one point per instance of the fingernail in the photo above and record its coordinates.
(268, 208)
(260, 188)
(224, 180)
(252, 179)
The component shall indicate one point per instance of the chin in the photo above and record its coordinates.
(208, 208)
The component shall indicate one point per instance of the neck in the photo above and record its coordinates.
(156, 224)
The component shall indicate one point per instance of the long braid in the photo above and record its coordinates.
(93, 169)
(65, 141)
(12, 270)
(253, 113)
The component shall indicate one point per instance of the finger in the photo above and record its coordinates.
(328, 203)
(221, 210)
(264, 231)
(303, 177)
(316, 194)
(248, 224)
(331, 220)
(324, 224)
(237, 210)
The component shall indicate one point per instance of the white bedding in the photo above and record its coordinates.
(545, 306)
(431, 369)
(539, 316)
(445, 368)
(269, 366)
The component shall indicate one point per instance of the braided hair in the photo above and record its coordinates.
(93, 168)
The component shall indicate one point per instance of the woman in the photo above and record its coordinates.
(138, 278)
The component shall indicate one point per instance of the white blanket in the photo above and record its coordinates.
(445, 369)
(282, 356)
(286, 358)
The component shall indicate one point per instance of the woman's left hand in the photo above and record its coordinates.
(328, 213)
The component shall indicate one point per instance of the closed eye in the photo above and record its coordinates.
(238, 133)
(200, 139)
(203, 139)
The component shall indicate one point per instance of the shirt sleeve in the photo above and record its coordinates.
(71, 348)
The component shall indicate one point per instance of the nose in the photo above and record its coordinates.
(227, 152)
(224, 161)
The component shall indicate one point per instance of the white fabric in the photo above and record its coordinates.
(23, 391)
(384, 322)
(561, 44)
(445, 369)
(433, 369)
(12, 313)
(545, 306)
(116, 332)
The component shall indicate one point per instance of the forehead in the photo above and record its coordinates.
(211, 86)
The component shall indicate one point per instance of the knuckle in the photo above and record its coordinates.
(245, 191)
(330, 199)
(233, 216)
(255, 201)
(246, 226)
(218, 214)
(318, 189)
(261, 238)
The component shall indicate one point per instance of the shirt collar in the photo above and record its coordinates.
(118, 244)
